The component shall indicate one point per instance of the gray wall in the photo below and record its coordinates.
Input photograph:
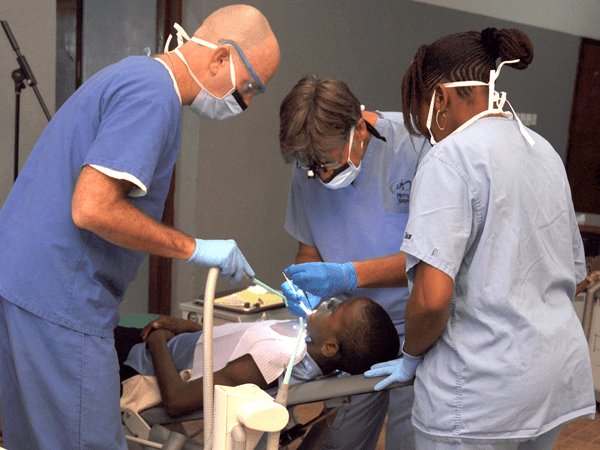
(231, 180)
(36, 36)
(112, 30)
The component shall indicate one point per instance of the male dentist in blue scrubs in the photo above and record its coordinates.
(347, 207)
(85, 209)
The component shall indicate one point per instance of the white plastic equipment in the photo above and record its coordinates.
(242, 414)
(239, 416)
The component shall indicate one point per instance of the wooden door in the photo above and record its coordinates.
(583, 152)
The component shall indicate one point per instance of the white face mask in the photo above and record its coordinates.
(206, 104)
(348, 175)
(495, 104)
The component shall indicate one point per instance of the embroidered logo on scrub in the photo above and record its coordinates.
(401, 190)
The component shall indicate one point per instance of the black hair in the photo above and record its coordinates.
(460, 57)
(368, 338)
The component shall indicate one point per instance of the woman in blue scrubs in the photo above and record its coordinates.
(496, 258)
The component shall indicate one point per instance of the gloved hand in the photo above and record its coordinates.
(399, 370)
(224, 254)
(294, 300)
(323, 279)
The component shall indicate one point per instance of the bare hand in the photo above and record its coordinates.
(173, 324)
(160, 335)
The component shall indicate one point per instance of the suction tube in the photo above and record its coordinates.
(207, 335)
(282, 392)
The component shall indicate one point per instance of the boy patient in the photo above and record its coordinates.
(348, 336)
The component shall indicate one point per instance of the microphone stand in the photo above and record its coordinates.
(22, 77)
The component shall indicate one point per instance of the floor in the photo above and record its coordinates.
(581, 434)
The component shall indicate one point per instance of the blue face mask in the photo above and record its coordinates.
(206, 104)
(348, 175)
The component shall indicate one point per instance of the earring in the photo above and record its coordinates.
(437, 121)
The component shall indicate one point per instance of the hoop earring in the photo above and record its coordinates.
(437, 121)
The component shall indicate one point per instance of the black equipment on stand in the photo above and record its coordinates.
(22, 77)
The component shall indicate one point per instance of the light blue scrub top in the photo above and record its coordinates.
(366, 219)
(126, 118)
(496, 215)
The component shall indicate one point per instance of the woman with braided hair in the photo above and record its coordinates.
(495, 257)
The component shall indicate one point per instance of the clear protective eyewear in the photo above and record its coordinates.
(249, 88)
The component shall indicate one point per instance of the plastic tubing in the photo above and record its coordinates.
(207, 335)
(282, 392)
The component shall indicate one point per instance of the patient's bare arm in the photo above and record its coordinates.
(181, 397)
(173, 324)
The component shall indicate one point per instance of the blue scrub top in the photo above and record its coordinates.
(366, 219)
(495, 214)
(126, 118)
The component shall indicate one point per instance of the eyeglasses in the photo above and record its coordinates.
(316, 166)
(249, 88)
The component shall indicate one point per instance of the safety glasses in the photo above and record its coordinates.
(249, 88)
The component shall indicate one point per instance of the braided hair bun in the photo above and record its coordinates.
(508, 44)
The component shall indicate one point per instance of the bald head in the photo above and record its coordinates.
(250, 29)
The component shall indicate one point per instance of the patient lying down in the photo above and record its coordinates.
(349, 336)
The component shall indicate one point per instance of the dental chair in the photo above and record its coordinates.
(334, 392)
(245, 417)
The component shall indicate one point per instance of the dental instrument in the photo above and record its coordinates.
(306, 310)
(269, 288)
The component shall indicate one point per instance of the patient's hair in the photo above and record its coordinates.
(369, 338)
(315, 117)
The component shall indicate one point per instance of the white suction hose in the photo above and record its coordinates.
(282, 392)
(207, 378)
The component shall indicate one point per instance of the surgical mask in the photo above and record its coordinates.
(348, 175)
(206, 104)
(495, 104)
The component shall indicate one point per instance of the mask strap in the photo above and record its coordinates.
(429, 119)
(494, 74)
(178, 53)
(181, 35)
(350, 148)
(524, 132)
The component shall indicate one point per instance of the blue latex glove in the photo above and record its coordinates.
(224, 254)
(323, 279)
(399, 370)
(295, 298)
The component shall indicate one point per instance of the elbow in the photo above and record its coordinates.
(173, 409)
(175, 406)
(83, 214)
(432, 309)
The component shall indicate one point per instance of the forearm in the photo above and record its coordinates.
(307, 253)
(428, 309)
(177, 395)
(423, 327)
(127, 226)
(100, 205)
(388, 271)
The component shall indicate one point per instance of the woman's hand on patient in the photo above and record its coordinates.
(173, 324)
